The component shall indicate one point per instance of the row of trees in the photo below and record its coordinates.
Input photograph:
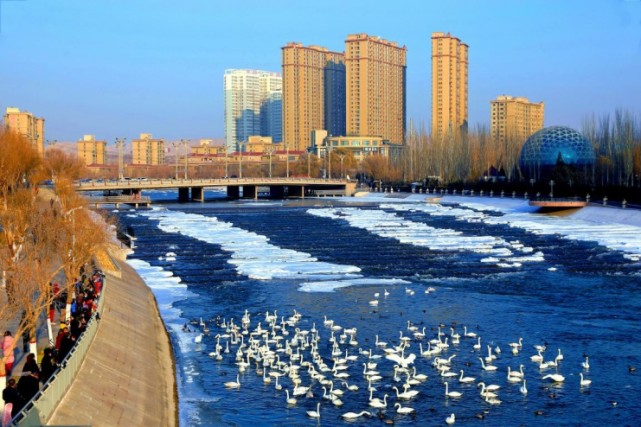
(44, 236)
(468, 158)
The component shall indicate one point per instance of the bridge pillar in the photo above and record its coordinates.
(276, 192)
(233, 191)
(296, 191)
(198, 194)
(183, 194)
(250, 191)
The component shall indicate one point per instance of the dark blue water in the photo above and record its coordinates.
(589, 304)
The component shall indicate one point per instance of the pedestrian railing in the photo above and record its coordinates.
(40, 409)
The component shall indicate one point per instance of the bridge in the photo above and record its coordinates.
(194, 189)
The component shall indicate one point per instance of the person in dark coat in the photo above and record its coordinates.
(29, 383)
(11, 395)
(48, 365)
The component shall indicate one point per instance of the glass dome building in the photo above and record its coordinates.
(544, 148)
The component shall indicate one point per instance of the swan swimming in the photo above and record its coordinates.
(354, 415)
(316, 413)
(403, 410)
(584, 383)
(450, 420)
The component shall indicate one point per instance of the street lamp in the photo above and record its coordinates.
(309, 158)
(342, 157)
(329, 162)
(270, 151)
(287, 154)
(185, 144)
(240, 162)
(120, 143)
(176, 145)
(551, 189)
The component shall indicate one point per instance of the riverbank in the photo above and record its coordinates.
(128, 376)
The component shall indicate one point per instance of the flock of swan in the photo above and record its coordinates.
(330, 364)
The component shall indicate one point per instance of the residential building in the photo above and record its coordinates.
(360, 146)
(147, 150)
(92, 152)
(313, 93)
(253, 105)
(515, 119)
(375, 88)
(449, 85)
(27, 125)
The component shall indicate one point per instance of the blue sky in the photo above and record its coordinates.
(117, 68)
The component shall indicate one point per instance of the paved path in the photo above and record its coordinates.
(128, 375)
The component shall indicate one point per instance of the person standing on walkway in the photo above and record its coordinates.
(29, 383)
(10, 395)
(7, 352)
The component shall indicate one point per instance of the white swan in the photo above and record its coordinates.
(380, 343)
(518, 373)
(454, 394)
(316, 413)
(290, 400)
(354, 415)
(584, 383)
(490, 387)
(407, 395)
(233, 384)
(558, 356)
(404, 362)
(586, 363)
(557, 378)
(486, 393)
(466, 380)
(537, 357)
(376, 402)
(198, 338)
(403, 410)
(373, 302)
(450, 420)
(477, 346)
(468, 334)
(523, 388)
(487, 367)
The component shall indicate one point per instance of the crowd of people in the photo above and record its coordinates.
(19, 392)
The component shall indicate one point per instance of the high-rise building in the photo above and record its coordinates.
(253, 106)
(92, 152)
(449, 85)
(27, 125)
(375, 87)
(147, 151)
(313, 93)
(515, 118)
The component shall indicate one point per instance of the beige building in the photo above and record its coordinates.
(449, 85)
(92, 152)
(515, 118)
(27, 125)
(375, 87)
(360, 146)
(147, 151)
(313, 93)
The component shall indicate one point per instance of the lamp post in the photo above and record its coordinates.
(120, 143)
(287, 155)
(270, 151)
(309, 166)
(342, 157)
(329, 162)
(226, 164)
(176, 145)
(551, 189)
(185, 144)
(240, 161)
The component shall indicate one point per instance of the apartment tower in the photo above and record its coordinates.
(148, 150)
(253, 106)
(313, 93)
(375, 87)
(27, 125)
(449, 85)
(515, 118)
(92, 152)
